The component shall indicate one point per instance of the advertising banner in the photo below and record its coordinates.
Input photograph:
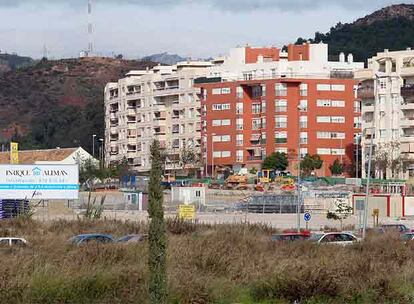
(39, 182)
(14, 153)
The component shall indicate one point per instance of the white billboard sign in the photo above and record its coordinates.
(39, 182)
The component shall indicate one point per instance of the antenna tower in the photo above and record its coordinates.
(90, 29)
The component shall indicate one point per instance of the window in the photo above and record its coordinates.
(338, 119)
(323, 87)
(337, 135)
(239, 140)
(256, 108)
(323, 151)
(263, 106)
(239, 155)
(225, 91)
(281, 89)
(395, 133)
(256, 92)
(281, 121)
(303, 105)
(323, 135)
(303, 120)
(323, 103)
(216, 91)
(239, 124)
(256, 123)
(281, 105)
(219, 91)
(281, 137)
(383, 83)
(383, 133)
(338, 151)
(221, 138)
(303, 152)
(303, 137)
(221, 154)
(303, 89)
(357, 106)
(329, 87)
(338, 103)
(323, 119)
(338, 87)
(239, 92)
(221, 107)
(263, 122)
(281, 150)
(239, 108)
(221, 122)
(357, 122)
(198, 193)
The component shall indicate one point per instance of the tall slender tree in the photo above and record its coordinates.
(157, 234)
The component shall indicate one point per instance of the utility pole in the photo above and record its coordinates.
(93, 145)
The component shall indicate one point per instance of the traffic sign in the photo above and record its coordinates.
(307, 217)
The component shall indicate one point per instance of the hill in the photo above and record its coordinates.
(164, 58)
(389, 28)
(9, 62)
(58, 103)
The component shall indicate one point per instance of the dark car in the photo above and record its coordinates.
(400, 228)
(132, 238)
(91, 238)
(290, 236)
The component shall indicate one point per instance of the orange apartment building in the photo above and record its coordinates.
(271, 101)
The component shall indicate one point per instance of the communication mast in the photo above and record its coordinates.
(90, 29)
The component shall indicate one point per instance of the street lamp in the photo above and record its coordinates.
(101, 154)
(299, 199)
(93, 145)
(364, 227)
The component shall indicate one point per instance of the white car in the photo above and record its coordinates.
(335, 238)
(12, 241)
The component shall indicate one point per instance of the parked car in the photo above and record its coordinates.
(336, 238)
(400, 228)
(290, 236)
(132, 238)
(89, 238)
(408, 236)
(12, 241)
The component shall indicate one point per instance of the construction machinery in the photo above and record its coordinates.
(236, 182)
(265, 176)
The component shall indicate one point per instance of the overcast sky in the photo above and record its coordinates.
(191, 28)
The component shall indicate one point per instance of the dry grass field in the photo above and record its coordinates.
(206, 264)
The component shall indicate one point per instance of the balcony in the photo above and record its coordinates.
(131, 112)
(407, 122)
(407, 106)
(114, 124)
(113, 115)
(366, 109)
(113, 152)
(366, 93)
(114, 138)
(407, 92)
(407, 139)
(254, 158)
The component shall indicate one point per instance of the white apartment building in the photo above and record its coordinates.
(160, 103)
(387, 95)
(301, 61)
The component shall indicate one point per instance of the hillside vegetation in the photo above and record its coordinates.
(223, 264)
(58, 103)
(389, 28)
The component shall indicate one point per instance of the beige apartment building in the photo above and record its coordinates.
(387, 95)
(160, 103)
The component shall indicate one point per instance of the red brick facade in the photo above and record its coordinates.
(262, 103)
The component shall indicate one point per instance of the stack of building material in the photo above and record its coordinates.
(270, 203)
(13, 208)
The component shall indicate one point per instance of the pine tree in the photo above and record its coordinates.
(157, 235)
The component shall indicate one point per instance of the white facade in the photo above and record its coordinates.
(161, 103)
(234, 67)
(387, 95)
